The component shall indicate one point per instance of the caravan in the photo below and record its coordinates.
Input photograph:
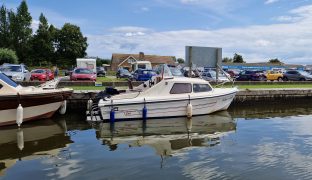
(87, 63)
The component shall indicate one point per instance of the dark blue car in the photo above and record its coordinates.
(143, 74)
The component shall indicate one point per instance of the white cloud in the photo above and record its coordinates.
(270, 1)
(290, 41)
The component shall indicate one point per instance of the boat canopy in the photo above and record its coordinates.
(7, 80)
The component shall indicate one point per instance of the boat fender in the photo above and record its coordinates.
(89, 105)
(144, 111)
(112, 115)
(189, 108)
(19, 115)
(20, 139)
(63, 107)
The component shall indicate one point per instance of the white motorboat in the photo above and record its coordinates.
(167, 96)
(18, 103)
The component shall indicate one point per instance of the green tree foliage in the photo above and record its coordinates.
(8, 56)
(275, 61)
(42, 42)
(20, 28)
(4, 28)
(238, 58)
(227, 60)
(180, 60)
(100, 61)
(71, 44)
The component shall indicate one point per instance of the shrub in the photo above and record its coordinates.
(8, 56)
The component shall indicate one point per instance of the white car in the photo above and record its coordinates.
(211, 76)
(17, 72)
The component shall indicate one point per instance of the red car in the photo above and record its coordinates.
(80, 74)
(41, 75)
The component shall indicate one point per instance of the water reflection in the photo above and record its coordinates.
(32, 141)
(167, 136)
(272, 109)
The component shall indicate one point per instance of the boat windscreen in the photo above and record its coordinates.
(7, 80)
(165, 71)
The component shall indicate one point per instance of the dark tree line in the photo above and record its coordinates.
(47, 46)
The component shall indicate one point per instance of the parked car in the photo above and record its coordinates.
(233, 73)
(251, 75)
(41, 75)
(297, 75)
(80, 74)
(67, 72)
(17, 72)
(176, 71)
(211, 76)
(143, 74)
(274, 75)
(123, 73)
(100, 71)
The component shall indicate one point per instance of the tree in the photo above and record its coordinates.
(70, 44)
(20, 28)
(180, 60)
(42, 42)
(238, 58)
(4, 28)
(8, 56)
(275, 61)
(100, 61)
(227, 60)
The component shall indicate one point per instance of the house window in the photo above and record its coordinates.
(181, 88)
(201, 88)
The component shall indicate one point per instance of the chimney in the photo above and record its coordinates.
(141, 56)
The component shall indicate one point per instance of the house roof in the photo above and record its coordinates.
(119, 58)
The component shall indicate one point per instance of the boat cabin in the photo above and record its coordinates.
(7, 85)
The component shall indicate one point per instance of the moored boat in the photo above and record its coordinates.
(18, 103)
(163, 97)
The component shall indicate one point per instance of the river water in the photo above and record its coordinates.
(252, 142)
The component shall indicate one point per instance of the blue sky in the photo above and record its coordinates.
(257, 29)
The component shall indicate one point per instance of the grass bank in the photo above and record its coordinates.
(258, 86)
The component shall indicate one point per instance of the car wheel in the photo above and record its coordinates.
(301, 79)
(285, 79)
(279, 79)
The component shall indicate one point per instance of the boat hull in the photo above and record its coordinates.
(169, 107)
(35, 106)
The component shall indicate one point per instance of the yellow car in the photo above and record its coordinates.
(274, 75)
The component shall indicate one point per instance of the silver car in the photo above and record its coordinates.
(17, 72)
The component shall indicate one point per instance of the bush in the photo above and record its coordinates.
(8, 56)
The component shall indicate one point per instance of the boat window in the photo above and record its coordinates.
(1, 86)
(201, 88)
(181, 88)
(7, 80)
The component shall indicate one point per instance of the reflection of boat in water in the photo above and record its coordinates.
(168, 135)
(34, 140)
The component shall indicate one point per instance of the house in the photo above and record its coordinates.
(126, 60)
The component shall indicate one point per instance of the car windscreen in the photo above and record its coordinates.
(83, 71)
(39, 71)
(214, 74)
(11, 69)
(7, 80)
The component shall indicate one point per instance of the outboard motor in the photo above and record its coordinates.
(108, 92)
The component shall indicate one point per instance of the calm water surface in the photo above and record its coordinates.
(254, 142)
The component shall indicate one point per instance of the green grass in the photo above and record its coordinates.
(262, 86)
(110, 79)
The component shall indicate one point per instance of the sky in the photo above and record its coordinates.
(259, 30)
